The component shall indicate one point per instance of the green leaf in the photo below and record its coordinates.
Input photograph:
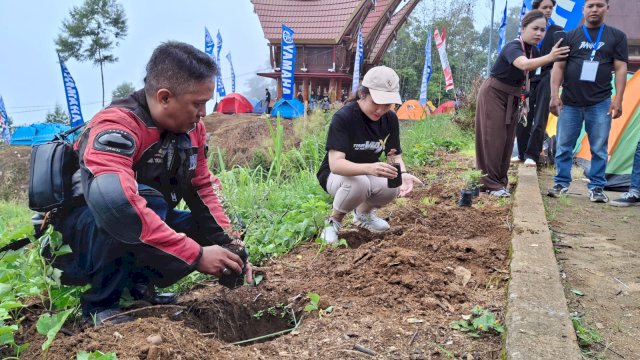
(484, 322)
(310, 308)
(96, 355)
(64, 249)
(257, 279)
(49, 325)
(329, 310)
(577, 292)
(314, 298)
(5, 288)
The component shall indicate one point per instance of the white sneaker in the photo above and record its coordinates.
(530, 163)
(515, 159)
(331, 230)
(502, 193)
(370, 222)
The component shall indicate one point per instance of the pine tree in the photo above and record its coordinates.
(58, 116)
(122, 91)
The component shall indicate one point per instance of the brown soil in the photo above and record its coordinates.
(394, 294)
(598, 254)
(14, 172)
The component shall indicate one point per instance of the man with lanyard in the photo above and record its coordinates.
(586, 96)
(531, 135)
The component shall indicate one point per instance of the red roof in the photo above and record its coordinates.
(388, 33)
(313, 21)
(374, 16)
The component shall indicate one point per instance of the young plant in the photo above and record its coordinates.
(96, 355)
(480, 321)
(314, 304)
(471, 179)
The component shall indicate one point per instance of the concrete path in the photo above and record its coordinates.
(537, 320)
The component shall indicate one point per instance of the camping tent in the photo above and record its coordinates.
(288, 109)
(36, 134)
(446, 107)
(258, 107)
(623, 138)
(234, 103)
(412, 110)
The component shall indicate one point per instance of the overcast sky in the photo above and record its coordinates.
(30, 79)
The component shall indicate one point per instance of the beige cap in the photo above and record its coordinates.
(383, 84)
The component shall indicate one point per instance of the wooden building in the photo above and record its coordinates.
(326, 33)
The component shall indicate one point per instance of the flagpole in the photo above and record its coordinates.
(493, 6)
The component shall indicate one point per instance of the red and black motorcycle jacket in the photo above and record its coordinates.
(120, 148)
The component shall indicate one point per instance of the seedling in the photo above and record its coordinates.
(479, 322)
(471, 179)
(279, 310)
(314, 304)
(428, 201)
(96, 355)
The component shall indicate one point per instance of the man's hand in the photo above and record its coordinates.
(615, 110)
(555, 105)
(215, 259)
(408, 181)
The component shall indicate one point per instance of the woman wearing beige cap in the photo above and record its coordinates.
(351, 171)
(499, 98)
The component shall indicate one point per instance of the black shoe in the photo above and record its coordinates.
(630, 198)
(109, 316)
(557, 190)
(147, 292)
(597, 195)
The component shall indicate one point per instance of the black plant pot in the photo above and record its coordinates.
(466, 198)
(397, 181)
(476, 191)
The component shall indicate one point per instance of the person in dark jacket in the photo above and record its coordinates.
(139, 158)
(267, 100)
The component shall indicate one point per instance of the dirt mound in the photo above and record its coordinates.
(14, 172)
(394, 294)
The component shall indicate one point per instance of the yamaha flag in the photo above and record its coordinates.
(357, 63)
(568, 14)
(208, 43)
(73, 97)
(426, 71)
(526, 6)
(219, 83)
(502, 30)
(288, 62)
(233, 74)
(4, 122)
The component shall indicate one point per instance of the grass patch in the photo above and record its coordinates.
(13, 216)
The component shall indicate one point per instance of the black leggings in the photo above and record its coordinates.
(531, 137)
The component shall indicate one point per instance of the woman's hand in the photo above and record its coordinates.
(382, 169)
(559, 52)
(408, 182)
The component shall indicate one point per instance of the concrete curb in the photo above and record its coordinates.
(537, 320)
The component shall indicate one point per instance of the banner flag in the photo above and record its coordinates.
(288, 63)
(502, 30)
(4, 123)
(356, 64)
(73, 97)
(441, 44)
(219, 83)
(233, 74)
(568, 14)
(208, 43)
(426, 71)
(526, 6)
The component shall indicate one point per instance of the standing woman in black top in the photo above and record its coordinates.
(351, 171)
(531, 136)
(499, 98)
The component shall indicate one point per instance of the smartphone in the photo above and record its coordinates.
(559, 35)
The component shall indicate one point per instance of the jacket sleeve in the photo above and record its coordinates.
(206, 200)
(107, 153)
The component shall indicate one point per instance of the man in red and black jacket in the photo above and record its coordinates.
(138, 158)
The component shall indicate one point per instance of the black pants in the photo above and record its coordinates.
(531, 137)
(109, 265)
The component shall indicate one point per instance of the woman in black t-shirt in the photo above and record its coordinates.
(499, 98)
(351, 171)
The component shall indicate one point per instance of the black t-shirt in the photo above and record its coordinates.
(613, 46)
(360, 138)
(547, 45)
(504, 70)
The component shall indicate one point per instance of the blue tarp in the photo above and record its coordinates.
(288, 109)
(36, 134)
(258, 107)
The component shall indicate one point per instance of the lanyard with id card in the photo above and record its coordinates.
(590, 67)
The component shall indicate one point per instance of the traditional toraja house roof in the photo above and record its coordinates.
(325, 36)
(314, 21)
(388, 33)
(625, 15)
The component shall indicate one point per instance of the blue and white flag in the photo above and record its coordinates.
(357, 63)
(219, 83)
(288, 62)
(502, 30)
(233, 74)
(568, 14)
(4, 122)
(426, 71)
(208, 43)
(73, 97)
(526, 6)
